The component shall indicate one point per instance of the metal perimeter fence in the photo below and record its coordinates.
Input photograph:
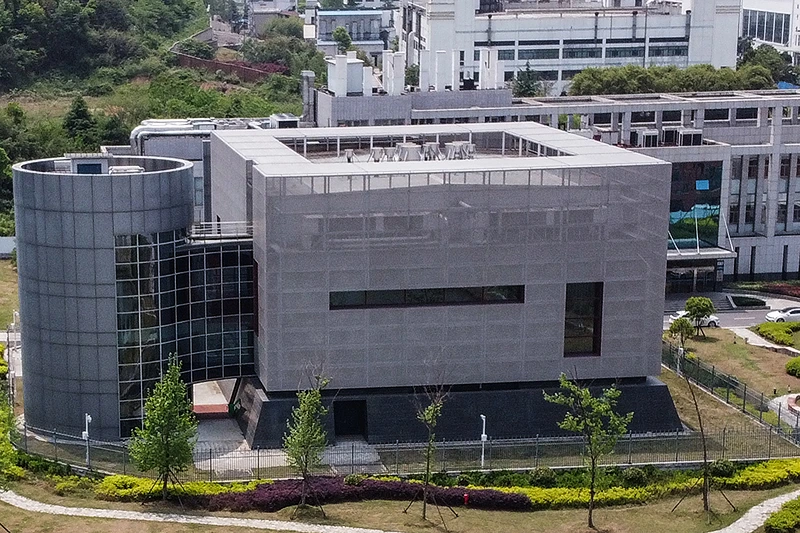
(729, 389)
(219, 464)
(778, 437)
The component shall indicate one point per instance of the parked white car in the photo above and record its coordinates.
(789, 314)
(711, 321)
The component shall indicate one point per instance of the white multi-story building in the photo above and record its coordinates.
(559, 39)
(773, 22)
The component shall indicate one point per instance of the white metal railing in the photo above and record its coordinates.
(221, 230)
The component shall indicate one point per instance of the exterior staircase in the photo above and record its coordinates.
(677, 302)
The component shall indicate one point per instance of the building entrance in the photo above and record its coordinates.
(350, 418)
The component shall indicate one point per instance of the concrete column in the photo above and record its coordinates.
(569, 122)
(206, 181)
(773, 178)
(625, 137)
(443, 71)
(795, 115)
(732, 117)
(686, 117)
(424, 70)
(554, 120)
(791, 196)
(699, 118)
(659, 120)
(614, 121)
(367, 90)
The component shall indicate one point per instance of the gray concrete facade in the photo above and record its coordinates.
(66, 228)
(590, 213)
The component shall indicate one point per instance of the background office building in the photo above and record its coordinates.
(560, 39)
(773, 22)
(485, 257)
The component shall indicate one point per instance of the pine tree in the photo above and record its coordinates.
(166, 441)
(79, 122)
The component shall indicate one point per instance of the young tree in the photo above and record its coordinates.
(697, 308)
(429, 414)
(595, 419)
(412, 75)
(306, 438)
(681, 329)
(527, 83)
(169, 433)
(342, 39)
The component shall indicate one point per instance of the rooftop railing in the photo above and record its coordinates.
(221, 230)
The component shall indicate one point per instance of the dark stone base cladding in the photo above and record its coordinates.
(511, 413)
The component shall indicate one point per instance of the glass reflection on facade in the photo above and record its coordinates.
(694, 204)
(193, 300)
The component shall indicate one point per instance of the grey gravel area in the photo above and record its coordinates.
(755, 517)
(27, 504)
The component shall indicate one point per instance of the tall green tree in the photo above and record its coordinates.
(167, 438)
(342, 39)
(594, 418)
(79, 122)
(697, 308)
(290, 27)
(527, 83)
(306, 438)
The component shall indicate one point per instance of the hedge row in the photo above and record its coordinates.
(778, 332)
(787, 520)
(272, 496)
(138, 489)
(326, 490)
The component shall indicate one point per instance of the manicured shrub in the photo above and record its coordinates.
(778, 332)
(72, 484)
(634, 477)
(786, 520)
(793, 367)
(722, 468)
(354, 479)
(39, 465)
(543, 477)
(280, 494)
(130, 488)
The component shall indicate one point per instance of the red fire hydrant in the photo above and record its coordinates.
(466, 499)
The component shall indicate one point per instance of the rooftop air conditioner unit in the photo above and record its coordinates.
(669, 135)
(690, 137)
(644, 138)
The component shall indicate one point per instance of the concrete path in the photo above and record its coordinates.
(757, 340)
(27, 504)
(756, 516)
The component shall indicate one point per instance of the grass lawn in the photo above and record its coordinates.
(717, 415)
(388, 515)
(9, 294)
(761, 369)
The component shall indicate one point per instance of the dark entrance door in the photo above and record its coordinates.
(350, 417)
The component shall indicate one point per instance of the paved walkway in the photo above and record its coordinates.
(757, 340)
(27, 504)
(755, 517)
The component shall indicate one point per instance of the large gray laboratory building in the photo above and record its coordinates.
(488, 258)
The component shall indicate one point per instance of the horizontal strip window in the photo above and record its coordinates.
(625, 52)
(681, 39)
(502, 294)
(669, 51)
(581, 53)
(494, 43)
(532, 53)
(579, 41)
(625, 40)
(540, 43)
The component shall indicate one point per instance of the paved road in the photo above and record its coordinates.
(734, 319)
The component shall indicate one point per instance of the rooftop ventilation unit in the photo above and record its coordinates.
(125, 169)
(669, 135)
(690, 137)
(643, 138)
(283, 120)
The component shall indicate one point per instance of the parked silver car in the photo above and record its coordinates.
(789, 314)
(711, 321)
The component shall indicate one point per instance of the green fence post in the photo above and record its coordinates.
(55, 445)
(444, 455)
(490, 453)
(210, 466)
(124, 461)
(630, 445)
(352, 457)
(536, 456)
(677, 431)
(761, 408)
(25, 434)
(744, 399)
(769, 446)
(727, 391)
(724, 431)
(396, 457)
(713, 380)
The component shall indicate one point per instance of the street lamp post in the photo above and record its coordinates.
(483, 440)
(88, 420)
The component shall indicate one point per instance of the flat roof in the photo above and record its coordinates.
(272, 154)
